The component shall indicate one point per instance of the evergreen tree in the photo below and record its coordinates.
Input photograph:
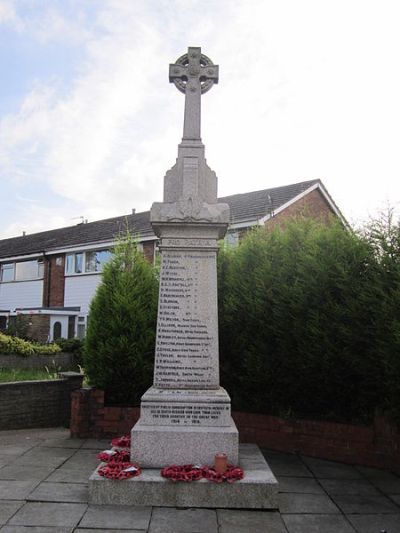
(120, 341)
(302, 307)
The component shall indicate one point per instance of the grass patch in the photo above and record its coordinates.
(22, 374)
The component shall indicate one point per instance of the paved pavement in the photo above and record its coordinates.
(43, 488)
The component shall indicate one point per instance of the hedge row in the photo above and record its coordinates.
(309, 320)
(15, 345)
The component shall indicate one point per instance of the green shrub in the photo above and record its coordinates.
(301, 317)
(74, 346)
(14, 345)
(120, 340)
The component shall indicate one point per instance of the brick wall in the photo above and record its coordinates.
(38, 327)
(34, 404)
(312, 205)
(377, 445)
(148, 250)
(54, 281)
(91, 418)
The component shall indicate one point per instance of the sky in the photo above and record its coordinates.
(89, 122)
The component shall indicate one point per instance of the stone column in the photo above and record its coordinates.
(186, 415)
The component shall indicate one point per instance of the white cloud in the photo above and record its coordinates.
(307, 90)
(8, 15)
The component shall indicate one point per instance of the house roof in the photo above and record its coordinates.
(246, 207)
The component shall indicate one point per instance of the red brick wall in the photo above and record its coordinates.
(148, 250)
(312, 205)
(54, 281)
(91, 418)
(38, 327)
(376, 445)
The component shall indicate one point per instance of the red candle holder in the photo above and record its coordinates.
(220, 463)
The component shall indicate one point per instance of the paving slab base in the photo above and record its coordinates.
(257, 490)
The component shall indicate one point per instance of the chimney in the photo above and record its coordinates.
(133, 211)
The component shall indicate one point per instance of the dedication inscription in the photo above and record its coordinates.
(187, 343)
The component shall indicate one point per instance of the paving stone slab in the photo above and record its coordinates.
(116, 516)
(169, 520)
(39, 529)
(231, 521)
(287, 465)
(306, 503)
(96, 444)
(357, 503)
(303, 485)
(317, 523)
(330, 469)
(7, 509)
(14, 449)
(395, 498)
(45, 456)
(60, 492)
(68, 475)
(375, 473)
(387, 485)
(64, 442)
(27, 473)
(79, 530)
(375, 523)
(49, 514)
(18, 436)
(348, 486)
(82, 459)
(16, 490)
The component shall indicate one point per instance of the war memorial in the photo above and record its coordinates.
(185, 417)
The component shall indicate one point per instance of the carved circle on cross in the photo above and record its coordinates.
(205, 83)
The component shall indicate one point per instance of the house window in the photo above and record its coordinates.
(22, 270)
(28, 270)
(7, 272)
(95, 260)
(83, 262)
(81, 327)
(232, 239)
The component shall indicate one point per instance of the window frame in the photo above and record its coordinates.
(13, 265)
(71, 262)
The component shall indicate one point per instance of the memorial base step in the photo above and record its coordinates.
(257, 490)
(158, 446)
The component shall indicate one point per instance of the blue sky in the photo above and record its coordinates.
(89, 123)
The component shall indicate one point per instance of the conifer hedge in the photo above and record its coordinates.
(119, 345)
(309, 321)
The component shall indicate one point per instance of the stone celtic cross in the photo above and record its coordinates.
(193, 74)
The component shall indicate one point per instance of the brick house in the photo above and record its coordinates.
(48, 278)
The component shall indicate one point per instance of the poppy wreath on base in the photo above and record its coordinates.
(182, 473)
(194, 473)
(119, 470)
(122, 442)
(115, 456)
(232, 473)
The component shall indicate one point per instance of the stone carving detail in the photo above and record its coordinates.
(193, 65)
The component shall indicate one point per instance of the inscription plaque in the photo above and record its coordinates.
(187, 332)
